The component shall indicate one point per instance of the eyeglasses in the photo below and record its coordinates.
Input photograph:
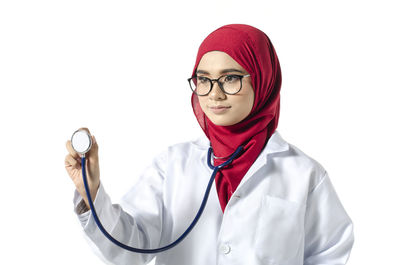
(229, 84)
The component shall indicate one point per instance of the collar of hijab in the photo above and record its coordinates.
(252, 49)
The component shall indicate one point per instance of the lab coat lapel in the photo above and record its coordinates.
(276, 144)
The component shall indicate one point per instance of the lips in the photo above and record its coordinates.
(219, 109)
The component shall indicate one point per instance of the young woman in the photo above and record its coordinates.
(272, 205)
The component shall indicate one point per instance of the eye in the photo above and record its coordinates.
(232, 78)
(202, 79)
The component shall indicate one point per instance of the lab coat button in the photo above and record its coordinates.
(224, 249)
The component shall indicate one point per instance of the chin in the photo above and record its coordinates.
(221, 122)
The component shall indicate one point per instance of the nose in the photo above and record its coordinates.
(217, 93)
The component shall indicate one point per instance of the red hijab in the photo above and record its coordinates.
(253, 50)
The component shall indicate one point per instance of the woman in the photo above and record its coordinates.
(272, 205)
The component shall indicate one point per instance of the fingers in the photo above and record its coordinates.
(70, 161)
(71, 150)
(93, 152)
(86, 129)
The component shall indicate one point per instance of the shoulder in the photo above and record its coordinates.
(184, 150)
(197, 145)
(297, 164)
(179, 155)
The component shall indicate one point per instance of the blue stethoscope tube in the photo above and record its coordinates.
(203, 204)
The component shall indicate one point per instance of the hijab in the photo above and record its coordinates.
(252, 49)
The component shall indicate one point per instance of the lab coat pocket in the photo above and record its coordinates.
(280, 230)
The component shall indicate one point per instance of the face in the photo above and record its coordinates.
(223, 109)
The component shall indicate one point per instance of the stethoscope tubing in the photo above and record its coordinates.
(191, 226)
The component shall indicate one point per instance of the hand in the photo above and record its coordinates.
(74, 169)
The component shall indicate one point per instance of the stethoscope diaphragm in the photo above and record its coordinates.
(81, 141)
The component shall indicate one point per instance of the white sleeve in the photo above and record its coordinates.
(137, 222)
(328, 229)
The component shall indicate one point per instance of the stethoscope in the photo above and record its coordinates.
(82, 142)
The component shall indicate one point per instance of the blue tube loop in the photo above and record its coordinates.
(191, 226)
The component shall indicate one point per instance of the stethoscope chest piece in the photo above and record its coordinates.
(81, 142)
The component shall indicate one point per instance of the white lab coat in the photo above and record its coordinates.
(285, 211)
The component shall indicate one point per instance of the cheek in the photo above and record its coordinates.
(247, 103)
(251, 102)
(246, 107)
(202, 103)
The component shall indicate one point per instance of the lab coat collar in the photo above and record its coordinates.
(276, 144)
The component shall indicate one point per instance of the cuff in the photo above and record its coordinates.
(80, 208)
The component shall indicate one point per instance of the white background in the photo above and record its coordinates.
(120, 68)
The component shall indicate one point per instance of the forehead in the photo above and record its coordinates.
(216, 61)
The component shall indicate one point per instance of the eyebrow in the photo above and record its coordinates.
(224, 71)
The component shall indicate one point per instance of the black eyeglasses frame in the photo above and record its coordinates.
(220, 84)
